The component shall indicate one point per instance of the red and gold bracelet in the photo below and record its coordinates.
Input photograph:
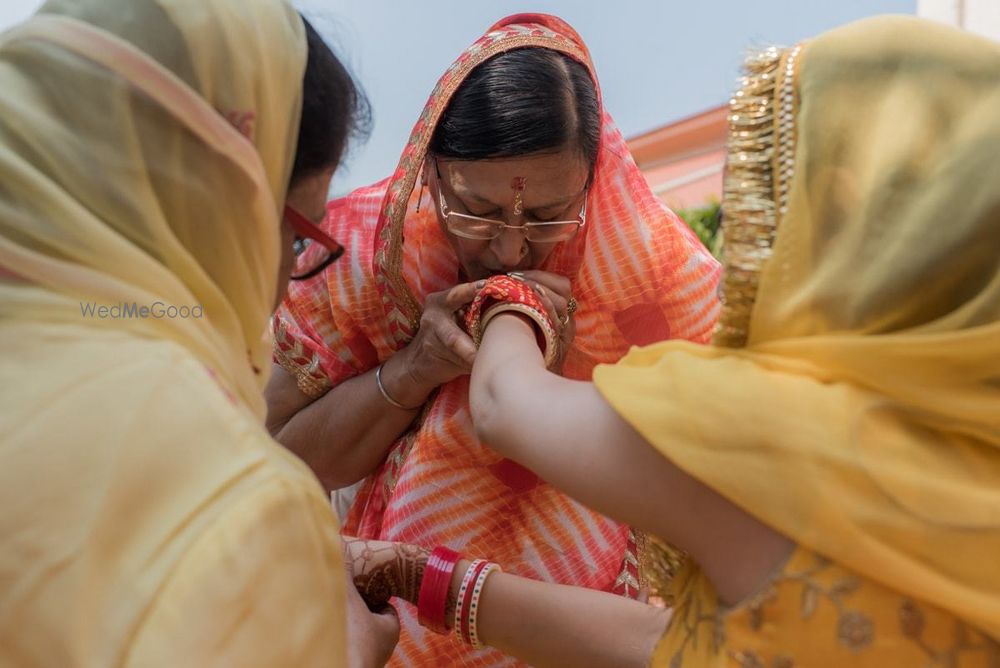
(504, 293)
(433, 597)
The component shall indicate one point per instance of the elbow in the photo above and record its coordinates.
(485, 424)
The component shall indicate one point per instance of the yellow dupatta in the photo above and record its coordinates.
(861, 416)
(145, 150)
(148, 189)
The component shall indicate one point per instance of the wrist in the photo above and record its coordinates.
(400, 381)
(456, 583)
(511, 338)
(433, 596)
(414, 568)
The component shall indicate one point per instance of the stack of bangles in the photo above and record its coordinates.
(432, 602)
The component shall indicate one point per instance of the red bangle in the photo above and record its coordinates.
(433, 597)
(463, 630)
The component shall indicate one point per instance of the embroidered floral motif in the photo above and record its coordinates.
(911, 620)
(913, 624)
(855, 630)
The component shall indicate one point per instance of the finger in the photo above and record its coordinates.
(457, 342)
(559, 302)
(462, 294)
(385, 624)
(554, 282)
(550, 308)
(387, 616)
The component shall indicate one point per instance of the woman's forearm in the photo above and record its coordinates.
(546, 624)
(345, 434)
(570, 436)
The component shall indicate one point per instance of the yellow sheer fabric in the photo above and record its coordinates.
(145, 148)
(862, 418)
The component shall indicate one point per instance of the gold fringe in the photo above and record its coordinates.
(659, 563)
(748, 201)
(760, 166)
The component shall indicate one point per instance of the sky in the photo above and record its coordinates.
(658, 61)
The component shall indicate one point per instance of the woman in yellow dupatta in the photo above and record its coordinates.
(148, 519)
(832, 466)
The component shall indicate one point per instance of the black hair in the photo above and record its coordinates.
(524, 101)
(334, 109)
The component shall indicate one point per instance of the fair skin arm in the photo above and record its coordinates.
(596, 457)
(540, 623)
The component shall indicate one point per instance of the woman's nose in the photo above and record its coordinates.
(509, 247)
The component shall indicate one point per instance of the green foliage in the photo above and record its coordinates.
(704, 221)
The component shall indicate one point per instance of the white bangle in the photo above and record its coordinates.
(385, 395)
(473, 611)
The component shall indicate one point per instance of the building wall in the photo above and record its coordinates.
(683, 161)
(979, 16)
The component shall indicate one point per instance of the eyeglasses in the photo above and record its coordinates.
(485, 229)
(314, 250)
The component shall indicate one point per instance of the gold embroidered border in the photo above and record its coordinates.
(760, 167)
(289, 353)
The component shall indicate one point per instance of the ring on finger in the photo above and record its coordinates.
(571, 306)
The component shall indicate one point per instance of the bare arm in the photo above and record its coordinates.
(540, 623)
(345, 434)
(568, 434)
(547, 624)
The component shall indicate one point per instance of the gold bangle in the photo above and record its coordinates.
(385, 394)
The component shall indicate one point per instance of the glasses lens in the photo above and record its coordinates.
(472, 227)
(550, 233)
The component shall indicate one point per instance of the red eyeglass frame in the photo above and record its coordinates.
(305, 228)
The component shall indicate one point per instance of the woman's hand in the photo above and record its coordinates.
(371, 636)
(382, 570)
(441, 351)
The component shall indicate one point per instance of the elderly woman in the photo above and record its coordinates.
(520, 171)
(146, 149)
(831, 469)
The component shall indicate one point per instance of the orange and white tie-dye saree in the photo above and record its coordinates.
(639, 275)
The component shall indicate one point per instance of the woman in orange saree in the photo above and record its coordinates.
(631, 274)
(831, 467)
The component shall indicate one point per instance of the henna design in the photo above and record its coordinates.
(384, 570)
